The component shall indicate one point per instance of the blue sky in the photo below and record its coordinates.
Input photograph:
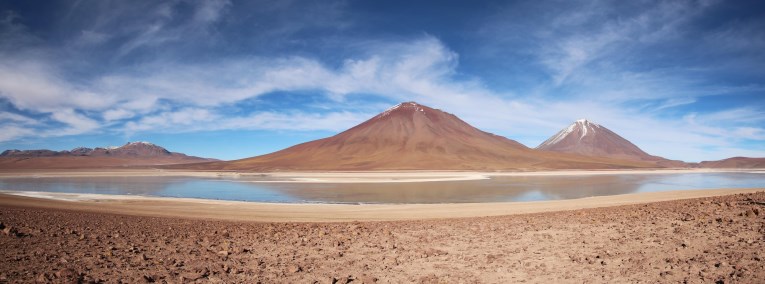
(233, 79)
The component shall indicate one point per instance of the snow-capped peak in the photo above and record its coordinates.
(140, 143)
(585, 127)
(412, 105)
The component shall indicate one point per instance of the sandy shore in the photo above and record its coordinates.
(347, 177)
(692, 236)
(254, 211)
(714, 239)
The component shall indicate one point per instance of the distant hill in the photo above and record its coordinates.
(411, 136)
(735, 162)
(130, 154)
(585, 137)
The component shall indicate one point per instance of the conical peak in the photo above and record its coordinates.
(585, 121)
(409, 105)
(581, 127)
(405, 106)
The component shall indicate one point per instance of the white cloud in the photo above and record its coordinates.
(34, 85)
(191, 120)
(12, 132)
(117, 114)
(77, 123)
(210, 11)
(753, 133)
(182, 97)
(12, 117)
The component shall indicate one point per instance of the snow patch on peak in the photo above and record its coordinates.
(586, 122)
(404, 105)
(585, 127)
(560, 135)
(140, 143)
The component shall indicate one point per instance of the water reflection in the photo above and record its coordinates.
(528, 188)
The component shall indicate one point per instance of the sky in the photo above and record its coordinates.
(233, 79)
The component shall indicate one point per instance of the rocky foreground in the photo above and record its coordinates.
(717, 239)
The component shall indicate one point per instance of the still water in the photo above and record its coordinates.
(496, 189)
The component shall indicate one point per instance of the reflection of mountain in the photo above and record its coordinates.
(570, 187)
(98, 185)
(188, 187)
(494, 190)
(497, 189)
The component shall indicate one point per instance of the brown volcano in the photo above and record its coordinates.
(410, 136)
(130, 154)
(587, 138)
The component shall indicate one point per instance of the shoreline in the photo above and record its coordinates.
(348, 177)
(698, 240)
(190, 208)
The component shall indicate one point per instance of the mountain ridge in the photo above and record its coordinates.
(735, 162)
(130, 154)
(411, 136)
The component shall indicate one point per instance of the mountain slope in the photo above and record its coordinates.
(410, 136)
(587, 138)
(735, 162)
(130, 154)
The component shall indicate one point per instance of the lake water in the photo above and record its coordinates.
(496, 189)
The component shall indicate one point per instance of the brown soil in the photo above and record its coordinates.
(706, 240)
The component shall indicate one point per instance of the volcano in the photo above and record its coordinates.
(587, 138)
(411, 136)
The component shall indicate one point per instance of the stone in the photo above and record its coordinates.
(294, 268)
(366, 279)
(10, 231)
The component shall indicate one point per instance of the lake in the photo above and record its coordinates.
(496, 189)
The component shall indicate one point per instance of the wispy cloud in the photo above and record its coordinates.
(174, 67)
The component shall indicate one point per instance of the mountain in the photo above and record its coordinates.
(735, 162)
(130, 154)
(411, 136)
(587, 138)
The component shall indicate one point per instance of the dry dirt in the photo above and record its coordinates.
(706, 240)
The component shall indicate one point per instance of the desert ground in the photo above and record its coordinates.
(701, 240)
(697, 236)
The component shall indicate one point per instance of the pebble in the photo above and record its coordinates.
(294, 268)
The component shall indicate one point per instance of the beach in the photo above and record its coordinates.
(301, 212)
(696, 236)
(700, 240)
